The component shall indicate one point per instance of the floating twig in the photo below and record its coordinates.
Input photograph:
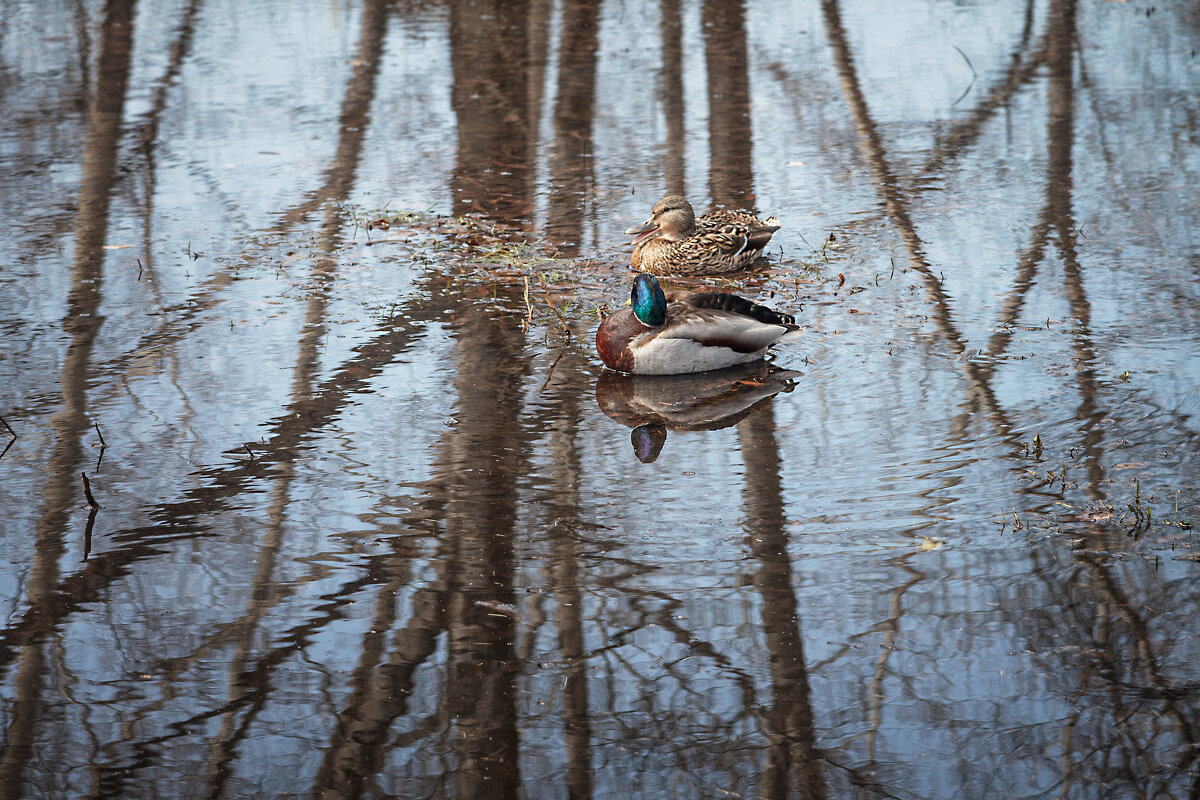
(528, 307)
(974, 75)
(550, 372)
(87, 491)
(11, 432)
(561, 319)
(87, 533)
(101, 435)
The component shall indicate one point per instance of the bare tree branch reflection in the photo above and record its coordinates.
(479, 465)
(672, 96)
(82, 323)
(355, 116)
(571, 177)
(895, 203)
(730, 172)
(567, 576)
(496, 127)
(147, 137)
(792, 768)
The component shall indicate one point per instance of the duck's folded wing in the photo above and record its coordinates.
(714, 328)
(723, 301)
(723, 220)
(729, 242)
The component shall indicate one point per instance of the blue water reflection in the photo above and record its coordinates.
(308, 292)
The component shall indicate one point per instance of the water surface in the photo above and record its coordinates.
(374, 522)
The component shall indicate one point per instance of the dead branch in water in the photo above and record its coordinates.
(87, 491)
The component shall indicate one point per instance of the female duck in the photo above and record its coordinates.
(663, 334)
(674, 242)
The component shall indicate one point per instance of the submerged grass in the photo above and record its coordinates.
(533, 280)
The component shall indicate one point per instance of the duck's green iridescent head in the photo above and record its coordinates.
(648, 301)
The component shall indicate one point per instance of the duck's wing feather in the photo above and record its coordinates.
(705, 242)
(721, 219)
(730, 239)
(714, 327)
(722, 301)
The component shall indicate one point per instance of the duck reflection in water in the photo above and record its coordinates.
(654, 404)
(661, 334)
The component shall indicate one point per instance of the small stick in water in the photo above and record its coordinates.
(87, 491)
(87, 533)
(11, 432)
(101, 435)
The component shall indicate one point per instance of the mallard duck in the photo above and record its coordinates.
(675, 242)
(662, 334)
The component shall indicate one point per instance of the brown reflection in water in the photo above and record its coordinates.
(1057, 218)
(793, 760)
(218, 488)
(1130, 658)
(249, 673)
(311, 409)
(877, 693)
(652, 404)
(1096, 645)
(478, 465)
(471, 602)
(380, 687)
(571, 161)
(960, 137)
(896, 204)
(490, 52)
(353, 119)
(730, 172)
(1063, 41)
(566, 576)
(1023, 68)
(895, 201)
(672, 95)
(71, 423)
(179, 320)
(147, 134)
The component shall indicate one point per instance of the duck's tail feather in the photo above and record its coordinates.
(739, 305)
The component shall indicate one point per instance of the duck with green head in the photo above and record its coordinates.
(668, 334)
(674, 241)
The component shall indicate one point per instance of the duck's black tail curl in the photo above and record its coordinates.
(739, 305)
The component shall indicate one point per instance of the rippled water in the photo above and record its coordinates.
(374, 522)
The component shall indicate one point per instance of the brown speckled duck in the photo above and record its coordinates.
(675, 242)
(661, 334)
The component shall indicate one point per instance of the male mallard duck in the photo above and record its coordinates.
(675, 242)
(686, 331)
